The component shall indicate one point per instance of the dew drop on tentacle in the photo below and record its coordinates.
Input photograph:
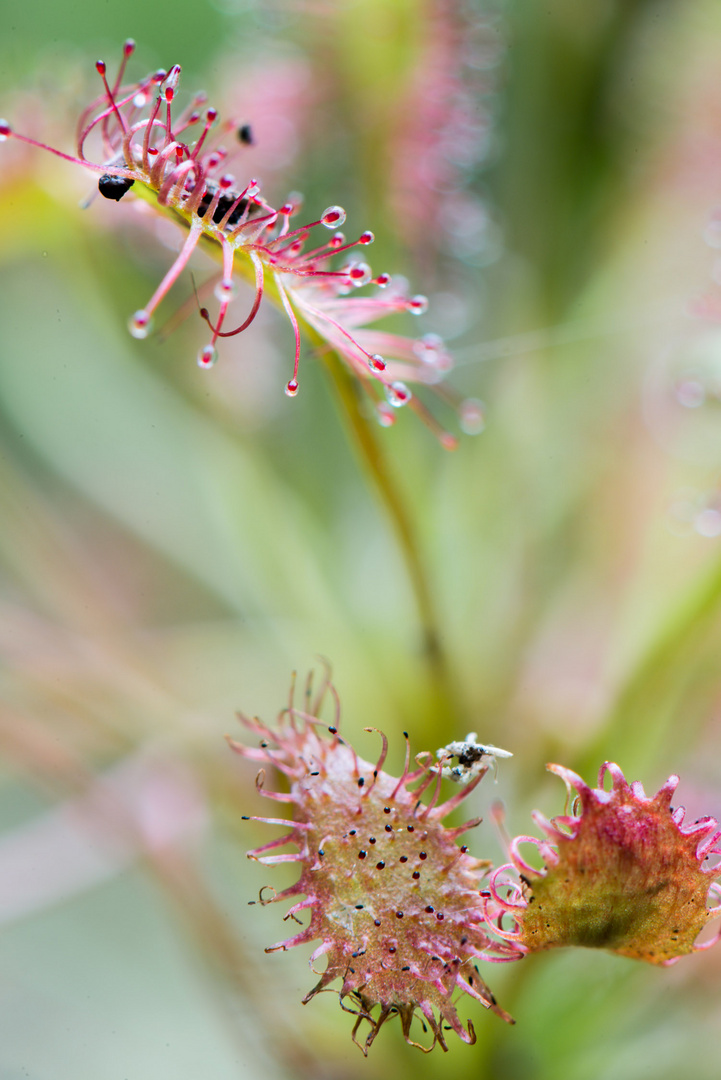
(382, 280)
(207, 356)
(398, 394)
(172, 84)
(418, 305)
(429, 348)
(360, 274)
(291, 388)
(376, 362)
(332, 217)
(224, 291)
(366, 237)
(5, 130)
(386, 415)
(140, 324)
(472, 416)
(448, 441)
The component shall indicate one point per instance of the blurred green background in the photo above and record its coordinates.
(174, 542)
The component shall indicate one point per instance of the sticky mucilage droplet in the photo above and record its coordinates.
(140, 324)
(333, 217)
(207, 356)
(398, 394)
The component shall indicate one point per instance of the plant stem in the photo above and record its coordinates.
(376, 466)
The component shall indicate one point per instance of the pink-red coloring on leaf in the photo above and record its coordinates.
(392, 898)
(177, 161)
(621, 872)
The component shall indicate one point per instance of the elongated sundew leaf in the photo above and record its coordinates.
(143, 149)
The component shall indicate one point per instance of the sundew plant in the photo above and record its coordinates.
(360, 489)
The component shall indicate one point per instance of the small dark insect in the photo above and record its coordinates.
(245, 135)
(114, 187)
(224, 204)
(470, 754)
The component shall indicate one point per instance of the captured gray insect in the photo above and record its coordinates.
(472, 757)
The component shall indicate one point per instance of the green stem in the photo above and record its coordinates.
(375, 463)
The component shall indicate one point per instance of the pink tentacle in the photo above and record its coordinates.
(254, 724)
(322, 949)
(209, 121)
(102, 119)
(404, 775)
(85, 125)
(324, 317)
(447, 440)
(299, 939)
(278, 821)
(454, 833)
(381, 759)
(302, 905)
(196, 229)
(280, 841)
(292, 386)
(428, 778)
(434, 797)
(336, 705)
(271, 860)
(295, 232)
(278, 796)
(112, 170)
(110, 97)
(149, 125)
(160, 161)
(507, 935)
(704, 847)
(258, 224)
(177, 177)
(226, 283)
(450, 804)
(702, 946)
(504, 902)
(508, 952)
(518, 861)
(259, 281)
